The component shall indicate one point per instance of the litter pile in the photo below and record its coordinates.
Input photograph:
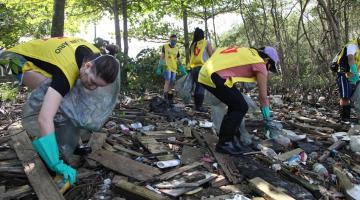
(152, 150)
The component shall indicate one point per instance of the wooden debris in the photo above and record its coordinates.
(181, 183)
(16, 193)
(38, 176)
(159, 134)
(267, 190)
(124, 165)
(155, 147)
(97, 140)
(337, 145)
(137, 190)
(226, 161)
(191, 154)
(199, 138)
(170, 174)
(287, 155)
(7, 155)
(187, 132)
(83, 173)
(219, 181)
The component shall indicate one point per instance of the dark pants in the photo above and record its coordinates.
(237, 107)
(199, 89)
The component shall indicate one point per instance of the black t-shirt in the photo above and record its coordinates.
(59, 81)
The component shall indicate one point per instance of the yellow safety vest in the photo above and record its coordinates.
(197, 54)
(225, 58)
(59, 51)
(357, 55)
(171, 57)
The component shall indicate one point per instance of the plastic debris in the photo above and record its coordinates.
(168, 163)
(276, 167)
(136, 125)
(297, 159)
(239, 197)
(148, 128)
(293, 136)
(355, 143)
(205, 124)
(124, 129)
(268, 152)
(322, 172)
(340, 136)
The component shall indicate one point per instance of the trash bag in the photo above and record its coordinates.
(158, 105)
(79, 109)
(219, 109)
(184, 87)
(355, 100)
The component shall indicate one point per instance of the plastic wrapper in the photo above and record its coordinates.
(184, 87)
(80, 109)
(219, 109)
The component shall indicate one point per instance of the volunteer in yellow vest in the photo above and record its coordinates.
(348, 75)
(219, 74)
(170, 60)
(63, 60)
(200, 51)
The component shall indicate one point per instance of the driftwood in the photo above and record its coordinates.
(267, 190)
(337, 145)
(178, 171)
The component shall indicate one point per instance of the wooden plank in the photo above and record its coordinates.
(337, 145)
(226, 161)
(181, 183)
(199, 138)
(159, 133)
(137, 190)
(8, 155)
(97, 140)
(191, 154)
(187, 132)
(178, 171)
(155, 147)
(351, 190)
(124, 165)
(287, 155)
(38, 176)
(10, 163)
(267, 190)
(15, 193)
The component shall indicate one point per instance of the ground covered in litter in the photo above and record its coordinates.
(152, 150)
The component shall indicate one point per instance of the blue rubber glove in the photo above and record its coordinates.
(355, 74)
(160, 68)
(182, 70)
(265, 111)
(47, 148)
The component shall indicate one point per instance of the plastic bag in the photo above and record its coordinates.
(79, 109)
(355, 100)
(184, 87)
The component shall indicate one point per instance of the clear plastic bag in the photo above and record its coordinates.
(79, 109)
(355, 100)
(184, 87)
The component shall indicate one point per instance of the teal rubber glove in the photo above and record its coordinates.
(160, 68)
(265, 111)
(182, 70)
(355, 74)
(47, 148)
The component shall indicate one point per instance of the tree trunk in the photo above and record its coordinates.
(206, 24)
(125, 35)
(302, 10)
(213, 20)
(117, 23)
(346, 20)
(57, 26)
(333, 24)
(245, 24)
(186, 34)
(94, 31)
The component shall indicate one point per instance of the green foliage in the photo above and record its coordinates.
(8, 92)
(141, 72)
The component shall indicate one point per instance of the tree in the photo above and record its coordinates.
(57, 26)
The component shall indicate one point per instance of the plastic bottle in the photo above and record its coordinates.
(322, 172)
(268, 152)
(103, 192)
(168, 163)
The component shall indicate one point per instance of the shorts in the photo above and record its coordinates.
(169, 75)
(346, 89)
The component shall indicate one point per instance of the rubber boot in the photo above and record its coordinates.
(345, 113)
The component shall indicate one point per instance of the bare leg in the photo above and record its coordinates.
(33, 79)
(167, 86)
